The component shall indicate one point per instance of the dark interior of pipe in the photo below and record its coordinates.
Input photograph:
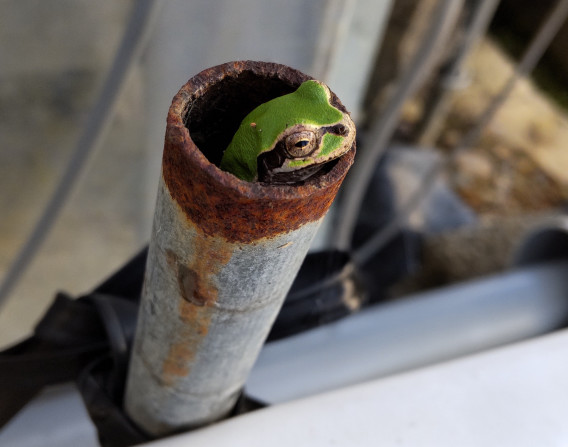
(214, 117)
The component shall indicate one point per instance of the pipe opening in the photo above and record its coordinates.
(213, 116)
(202, 119)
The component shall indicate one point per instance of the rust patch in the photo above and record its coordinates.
(198, 295)
(182, 352)
(217, 202)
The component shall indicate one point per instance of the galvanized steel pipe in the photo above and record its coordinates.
(223, 253)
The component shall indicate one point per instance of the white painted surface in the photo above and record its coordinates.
(57, 418)
(513, 396)
(413, 332)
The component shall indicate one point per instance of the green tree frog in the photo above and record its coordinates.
(289, 138)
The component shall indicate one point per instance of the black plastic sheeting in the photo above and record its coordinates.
(88, 339)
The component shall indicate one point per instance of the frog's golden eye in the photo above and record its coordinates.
(301, 144)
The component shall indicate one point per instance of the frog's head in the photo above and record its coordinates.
(303, 149)
(290, 138)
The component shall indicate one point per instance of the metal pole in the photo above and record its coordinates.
(444, 18)
(223, 254)
(440, 103)
(546, 32)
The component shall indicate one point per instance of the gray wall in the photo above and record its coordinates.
(53, 59)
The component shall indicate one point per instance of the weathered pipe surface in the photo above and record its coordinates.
(223, 254)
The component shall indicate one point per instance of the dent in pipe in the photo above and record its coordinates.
(198, 294)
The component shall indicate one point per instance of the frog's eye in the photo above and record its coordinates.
(301, 144)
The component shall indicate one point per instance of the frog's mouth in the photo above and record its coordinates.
(288, 177)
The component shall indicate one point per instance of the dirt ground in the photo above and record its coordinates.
(520, 164)
(515, 177)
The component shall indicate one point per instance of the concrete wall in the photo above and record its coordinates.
(53, 59)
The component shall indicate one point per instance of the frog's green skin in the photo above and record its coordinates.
(289, 138)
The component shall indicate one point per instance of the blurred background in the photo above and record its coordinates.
(55, 57)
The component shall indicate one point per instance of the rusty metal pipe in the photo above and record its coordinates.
(223, 254)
